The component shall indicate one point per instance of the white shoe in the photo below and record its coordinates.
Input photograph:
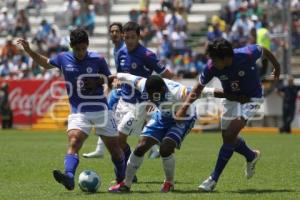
(208, 185)
(154, 154)
(94, 154)
(250, 168)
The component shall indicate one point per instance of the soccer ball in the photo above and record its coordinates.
(89, 181)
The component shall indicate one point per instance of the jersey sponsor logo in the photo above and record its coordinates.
(241, 73)
(70, 68)
(133, 65)
(89, 70)
(122, 62)
(223, 77)
(235, 86)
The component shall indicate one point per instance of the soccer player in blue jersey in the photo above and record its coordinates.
(137, 60)
(162, 128)
(237, 71)
(116, 35)
(84, 72)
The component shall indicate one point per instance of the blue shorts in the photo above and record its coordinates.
(160, 128)
(113, 99)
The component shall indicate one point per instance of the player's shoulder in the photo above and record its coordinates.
(248, 49)
(95, 56)
(145, 52)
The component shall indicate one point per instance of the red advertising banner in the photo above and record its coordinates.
(31, 99)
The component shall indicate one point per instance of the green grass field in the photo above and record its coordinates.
(28, 158)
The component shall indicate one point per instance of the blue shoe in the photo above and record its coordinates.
(64, 179)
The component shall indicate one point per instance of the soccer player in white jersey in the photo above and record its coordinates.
(162, 128)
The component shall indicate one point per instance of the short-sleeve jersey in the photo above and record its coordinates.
(241, 78)
(81, 77)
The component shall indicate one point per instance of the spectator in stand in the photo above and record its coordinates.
(243, 22)
(37, 5)
(144, 5)
(158, 20)
(22, 24)
(90, 20)
(238, 38)
(146, 28)
(9, 50)
(227, 15)
(264, 40)
(178, 38)
(187, 5)
(53, 42)
(167, 3)
(6, 22)
(173, 19)
(43, 31)
(5, 68)
(165, 47)
(215, 33)
(133, 15)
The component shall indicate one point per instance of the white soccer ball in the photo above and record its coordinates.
(89, 181)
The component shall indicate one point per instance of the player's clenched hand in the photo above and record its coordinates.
(24, 44)
(116, 83)
(276, 74)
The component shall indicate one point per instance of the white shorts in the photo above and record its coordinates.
(103, 121)
(233, 110)
(130, 117)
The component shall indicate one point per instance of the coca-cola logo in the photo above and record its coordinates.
(37, 103)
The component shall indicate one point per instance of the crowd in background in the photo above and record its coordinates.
(167, 29)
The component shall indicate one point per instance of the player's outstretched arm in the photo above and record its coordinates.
(219, 93)
(193, 96)
(268, 54)
(38, 58)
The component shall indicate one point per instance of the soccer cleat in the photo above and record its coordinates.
(119, 188)
(208, 185)
(167, 187)
(134, 180)
(250, 168)
(64, 179)
(154, 154)
(94, 154)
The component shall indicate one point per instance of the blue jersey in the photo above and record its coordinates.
(117, 51)
(140, 62)
(241, 78)
(82, 80)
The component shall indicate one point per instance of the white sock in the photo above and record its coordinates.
(155, 148)
(134, 162)
(100, 146)
(169, 167)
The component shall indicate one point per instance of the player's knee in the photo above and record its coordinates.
(75, 143)
(140, 150)
(166, 150)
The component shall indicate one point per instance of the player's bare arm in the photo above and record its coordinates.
(268, 54)
(38, 58)
(193, 96)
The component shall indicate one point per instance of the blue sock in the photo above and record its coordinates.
(243, 149)
(71, 163)
(225, 154)
(120, 168)
(127, 152)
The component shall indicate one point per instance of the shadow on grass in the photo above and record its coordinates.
(161, 182)
(261, 191)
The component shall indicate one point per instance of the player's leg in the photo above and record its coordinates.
(106, 128)
(71, 161)
(151, 135)
(168, 161)
(99, 151)
(78, 129)
(173, 138)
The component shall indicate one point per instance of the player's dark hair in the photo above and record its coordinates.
(219, 48)
(79, 35)
(154, 83)
(118, 24)
(132, 26)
